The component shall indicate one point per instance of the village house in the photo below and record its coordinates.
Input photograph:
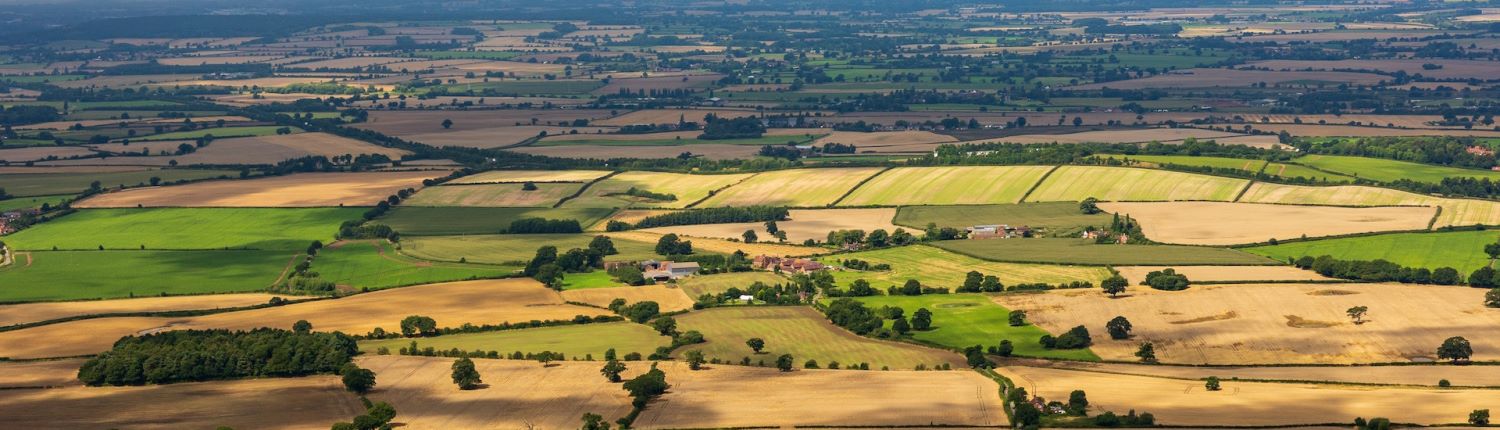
(787, 265)
(668, 270)
(997, 231)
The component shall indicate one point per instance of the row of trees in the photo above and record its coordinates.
(715, 216)
(201, 355)
(1377, 271)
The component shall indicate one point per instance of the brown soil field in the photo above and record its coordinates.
(35, 312)
(726, 247)
(19, 155)
(518, 393)
(276, 403)
(1315, 130)
(671, 116)
(658, 83)
(452, 304)
(709, 151)
(1474, 375)
(669, 135)
(872, 141)
(1203, 78)
(669, 297)
(1182, 402)
(493, 195)
(737, 396)
(1246, 274)
(34, 374)
(1452, 69)
(299, 190)
(1274, 323)
(1219, 223)
(252, 150)
(504, 176)
(401, 123)
(804, 224)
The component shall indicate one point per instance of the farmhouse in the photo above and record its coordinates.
(668, 270)
(789, 265)
(998, 231)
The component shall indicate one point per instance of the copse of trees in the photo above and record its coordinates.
(722, 215)
(1166, 280)
(543, 226)
(736, 128)
(1377, 271)
(1075, 338)
(853, 315)
(201, 355)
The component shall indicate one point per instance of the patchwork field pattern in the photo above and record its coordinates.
(796, 188)
(947, 186)
(1215, 223)
(494, 195)
(1455, 212)
(803, 224)
(1462, 250)
(299, 190)
(688, 189)
(577, 341)
(1075, 183)
(802, 332)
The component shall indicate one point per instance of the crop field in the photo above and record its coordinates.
(941, 268)
(453, 220)
(406, 122)
(889, 141)
(688, 189)
(1225, 274)
(576, 341)
(796, 188)
(947, 185)
(1085, 251)
(1249, 165)
(299, 190)
(175, 228)
(265, 149)
(964, 320)
(518, 393)
(31, 202)
(1215, 223)
(36, 312)
(1390, 170)
(1455, 212)
(494, 195)
(1056, 216)
(1462, 250)
(803, 224)
(670, 298)
(1319, 130)
(688, 138)
(504, 176)
(1289, 171)
(721, 246)
(34, 374)
(43, 184)
(717, 398)
(221, 133)
(1180, 402)
(802, 332)
(1208, 78)
(1475, 375)
(451, 304)
(664, 116)
(74, 275)
(719, 283)
(1273, 323)
(515, 248)
(375, 265)
(1075, 183)
(272, 403)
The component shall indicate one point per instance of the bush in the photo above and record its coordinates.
(1166, 280)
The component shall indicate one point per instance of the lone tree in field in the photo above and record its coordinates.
(1119, 328)
(528, 186)
(1114, 285)
(1212, 384)
(921, 320)
(1492, 298)
(1017, 318)
(612, 370)
(447, 123)
(302, 327)
(695, 359)
(593, 421)
(1480, 417)
(1358, 314)
(1089, 206)
(750, 236)
(417, 325)
(1456, 349)
(357, 380)
(464, 374)
(784, 362)
(756, 344)
(1147, 353)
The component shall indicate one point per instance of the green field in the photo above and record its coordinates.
(633, 141)
(417, 220)
(31, 202)
(964, 320)
(1288, 170)
(375, 265)
(800, 331)
(1075, 183)
(493, 195)
(718, 283)
(610, 192)
(577, 341)
(178, 228)
(939, 268)
(513, 248)
(74, 275)
(1462, 250)
(1058, 217)
(594, 279)
(1390, 170)
(1084, 251)
(947, 185)
(1249, 165)
(217, 133)
(42, 184)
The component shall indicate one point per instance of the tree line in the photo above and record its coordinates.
(201, 355)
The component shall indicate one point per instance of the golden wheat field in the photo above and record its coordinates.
(1217, 223)
(299, 190)
(37, 312)
(670, 298)
(274, 403)
(802, 224)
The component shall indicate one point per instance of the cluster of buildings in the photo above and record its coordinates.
(998, 231)
(668, 270)
(786, 264)
(8, 219)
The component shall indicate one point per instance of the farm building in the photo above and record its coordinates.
(789, 265)
(668, 270)
(998, 231)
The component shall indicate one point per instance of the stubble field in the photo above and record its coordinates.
(1075, 183)
(299, 190)
(803, 224)
(797, 188)
(947, 186)
(1216, 223)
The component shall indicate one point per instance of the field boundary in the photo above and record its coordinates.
(583, 188)
(858, 185)
(1345, 236)
(713, 193)
(1038, 184)
(1243, 191)
(1270, 261)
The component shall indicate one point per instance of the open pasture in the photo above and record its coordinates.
(419, 220)
(1182, 402)
(495, 137)
(1085, 251)
(376, 265)
(669, 297)
(73, 182)
(1451, 69)
(1075, 183)
(796, 188)
(408, 122)
(185, 229)
(516, 249)
(1052, 215)
(36, 202)
(23, 313)
(802, 332)
(803, 224)
(1249, 165)
(736, 396)
(299, 190)
(719, 283)
(494, 195)
(964, 320)
(941, 268)
(518, 393)
(1217, 223)
(271, 403)
(77, 275)
(506, 176)
(1461, 250)
(688, 189)
(1391, 170)
(576, 341)
(963, 185)
(1225, 274)
(1273, 323)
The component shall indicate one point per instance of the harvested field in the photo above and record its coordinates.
(947, 185)
(1216, 223)
(1207, 78)
(711, 151)
(1475, 375)
(494, 195)
(688, 189)
(802, 332)
(20, 155)
(877, 141)
(452, 304)
(578, 341)
(719, 283)
(669, 297)
(496, 137)
(1253, 323)
(671, 116)
(348, 63)
(797, 188)
(1236, 274)
(1075, 183)
(1318, 130)
(1185, 402)
(504, 176)
(736, 396)
(272, 403)
(37, 374)
(805, 224)
(37, 312)
(1055, 216)
(254, 150)
(679, 138)
(298, 190)
(942, 268)
(1455, 212)
(517, 393)
(702, 244)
